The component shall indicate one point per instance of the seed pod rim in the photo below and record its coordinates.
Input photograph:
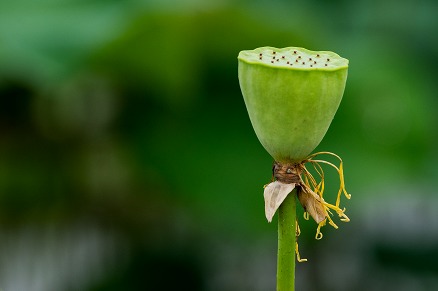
(249, 57)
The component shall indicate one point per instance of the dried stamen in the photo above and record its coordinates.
(310, 192)
(299, 259)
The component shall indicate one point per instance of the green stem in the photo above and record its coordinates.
(286, 244)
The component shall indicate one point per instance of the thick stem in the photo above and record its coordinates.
(286, 244)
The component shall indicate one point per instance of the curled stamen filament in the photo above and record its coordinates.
(297, 252)
(297, 229)
(306, 215)
(319, 235)
(297, 234)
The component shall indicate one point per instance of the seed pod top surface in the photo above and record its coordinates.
(294, 58)
(291, 95)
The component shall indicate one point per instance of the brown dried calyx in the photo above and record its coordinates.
(288, 177)
(287, 173)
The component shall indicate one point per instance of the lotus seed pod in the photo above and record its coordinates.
(291, 95)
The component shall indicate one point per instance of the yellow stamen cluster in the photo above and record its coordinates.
(315, 189)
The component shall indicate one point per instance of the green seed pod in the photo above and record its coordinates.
(291, 95)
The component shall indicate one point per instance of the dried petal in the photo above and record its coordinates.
(274, 194)
(312, 204)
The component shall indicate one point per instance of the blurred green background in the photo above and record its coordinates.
(128, 162)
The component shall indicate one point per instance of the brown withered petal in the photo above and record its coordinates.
(311, 203)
